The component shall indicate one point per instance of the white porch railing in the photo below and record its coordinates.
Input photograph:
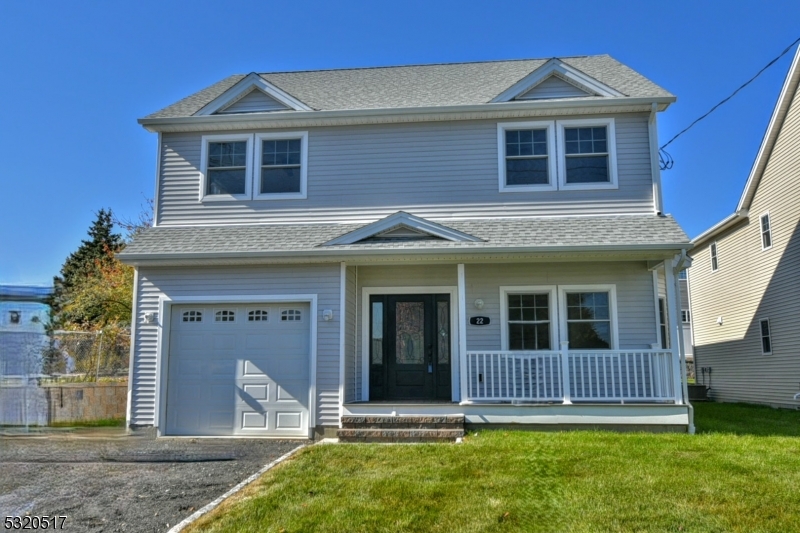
(571, 376)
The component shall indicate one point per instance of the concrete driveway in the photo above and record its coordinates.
(104, 480)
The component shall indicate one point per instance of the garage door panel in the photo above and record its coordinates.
(238, 377)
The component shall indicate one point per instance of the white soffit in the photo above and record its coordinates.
(567, 73)
(243, 87)
(409, 223)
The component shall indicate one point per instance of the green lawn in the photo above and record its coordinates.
(740, 473)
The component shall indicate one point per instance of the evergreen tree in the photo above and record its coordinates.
(84, 263)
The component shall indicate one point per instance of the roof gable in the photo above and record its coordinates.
(567, 73)
(255, 101)
(402, 225)
(244, 88)
(553, 86)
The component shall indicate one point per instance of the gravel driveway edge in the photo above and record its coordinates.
(214, 504)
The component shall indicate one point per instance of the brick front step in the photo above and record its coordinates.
(399, 435)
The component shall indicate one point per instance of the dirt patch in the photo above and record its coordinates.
(108, 482)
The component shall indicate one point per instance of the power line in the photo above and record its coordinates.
(665, 159)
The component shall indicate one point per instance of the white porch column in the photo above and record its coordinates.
(673, 312)
(565, 373)
(462, 332)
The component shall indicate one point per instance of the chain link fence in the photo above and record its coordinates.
(88, 356)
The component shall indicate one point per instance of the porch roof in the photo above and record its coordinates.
(508, 235)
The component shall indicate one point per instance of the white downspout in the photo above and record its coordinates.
(462, 331)
(678, 266)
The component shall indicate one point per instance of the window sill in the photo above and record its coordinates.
(282, 196)
(527, 188)
(587, 186)
(225, 197)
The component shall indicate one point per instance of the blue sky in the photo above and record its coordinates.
(77, 75)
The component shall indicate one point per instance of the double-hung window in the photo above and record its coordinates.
(766, 232)
(714, 260)
(589, 154)
(552, 155)
(266, 166)
(588, 317)
(529, 321)
(527, 156)
(766, 337)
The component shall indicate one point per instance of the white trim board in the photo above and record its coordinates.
(407, 220)
(165, 304)
(366, 292)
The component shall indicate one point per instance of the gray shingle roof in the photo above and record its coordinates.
(603, 231)
(419, 85)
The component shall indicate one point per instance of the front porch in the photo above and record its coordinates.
(513, 363)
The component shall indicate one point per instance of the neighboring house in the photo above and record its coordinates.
(686, 318)
(477, 239)
(745, 281)
(23, 320)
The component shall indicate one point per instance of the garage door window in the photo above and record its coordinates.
(291, 315)
(224, 316)
(192, 316)
(257, 315)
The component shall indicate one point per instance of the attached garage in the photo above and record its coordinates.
(239, 370)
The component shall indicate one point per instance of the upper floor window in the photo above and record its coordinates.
(551, 155)
(263, 166)
(714, 262)
(766, 232)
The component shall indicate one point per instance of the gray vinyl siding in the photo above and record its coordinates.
(752, 284)
(352, 372)
(553, 87)
(634, 287)
(322, 280)
(253, 102)
(431, 169)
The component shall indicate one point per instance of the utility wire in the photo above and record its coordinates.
(666, 160)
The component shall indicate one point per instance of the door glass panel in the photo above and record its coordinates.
(377, 333)
(410, 338)
(443, 331)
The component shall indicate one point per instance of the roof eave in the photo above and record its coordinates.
(720, 228)
(276, 118)
(334, 253)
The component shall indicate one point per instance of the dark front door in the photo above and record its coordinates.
(410, 347)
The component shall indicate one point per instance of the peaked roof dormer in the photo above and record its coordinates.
(257, 93)
(555, 79)
(402, 226)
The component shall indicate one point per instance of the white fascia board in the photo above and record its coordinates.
(771, 135)
(562, 70)
(244, 86)
(405, 219)
(515, 109)
(719, 227)
(338, 255)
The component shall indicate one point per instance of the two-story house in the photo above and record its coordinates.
(745, 281)
(478, 240)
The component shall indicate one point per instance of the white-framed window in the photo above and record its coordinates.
(589, 316)
(766, 336)
(291, 315)
(562, 154)
(683, 274)
(226, 167)
(766, 232)
(526, 156)
(587, 154)
(714, 260)
(281, 165)
(528, 318)
(224, 315)
(686, 316)
(663, 325)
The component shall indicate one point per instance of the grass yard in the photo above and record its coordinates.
(740, 473)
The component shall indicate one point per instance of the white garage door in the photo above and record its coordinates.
(239, 370)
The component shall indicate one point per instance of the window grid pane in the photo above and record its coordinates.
(586, 155)
(527, 157)
(766, 233)
(529, 322)
(766, 338)
(280, 166)
(714, 262)
(588, 320)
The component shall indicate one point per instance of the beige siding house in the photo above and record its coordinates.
(745, 278)
(484, 241)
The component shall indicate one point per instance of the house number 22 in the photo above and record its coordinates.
(479, 320)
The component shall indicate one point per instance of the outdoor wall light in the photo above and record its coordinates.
(479, 304)
(150, 318)
(719, 320)
(327, 314)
